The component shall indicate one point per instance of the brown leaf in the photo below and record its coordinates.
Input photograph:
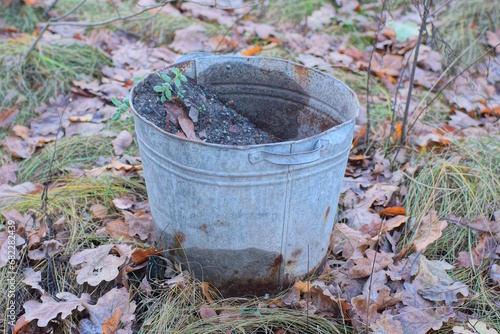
(111, 325)
(19, 148)
(387, 324)
(7, 116)
(348, 242)
(140, 223)
(84, 118)
(420, 321)
(493, 40)
(430, 230)
(11, 194)
(451, 295)
(190, 39)
(97, 265)
(98, 210)
(187, 126)
(141, 255)
(388, 64)
(33, 279)
(118, 228)
(121, 142)
(6, 248)
(365, 266)
(106, 309)
(8, 173)
(21, 131)
(495, 273)
(49, 309)
(49, 247)
(123, 203)
(207, 312)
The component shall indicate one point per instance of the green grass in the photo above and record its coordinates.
(48, 70)
(282, 11)
(177, 311)
(466, 188)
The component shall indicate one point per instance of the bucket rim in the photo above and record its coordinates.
(242, 147)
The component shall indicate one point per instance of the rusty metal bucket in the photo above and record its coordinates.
(252, 219)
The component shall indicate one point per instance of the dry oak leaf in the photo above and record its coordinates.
(140, 223)
(430, 229)
(114, 304)
(420, 321)
(97, 265)
(207, 312)
(474, 327)
(49, 309)
(33, 278)
(190, 39)
(49, 247)
(495, 273)
(121, 142)
(348, 242)
(98, 210)
(8, 173)
(6, 250)
(18, 147)
(386, 324)
(451, 295)
(388, 64)
(118, 228)
(11, 194)
(365, 266)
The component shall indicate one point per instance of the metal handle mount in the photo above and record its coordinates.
(298, 158)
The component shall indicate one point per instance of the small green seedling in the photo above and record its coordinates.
(167, 87)
(121, 107)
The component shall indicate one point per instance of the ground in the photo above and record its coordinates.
(416, 246)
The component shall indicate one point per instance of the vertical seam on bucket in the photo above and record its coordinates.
(284, 230)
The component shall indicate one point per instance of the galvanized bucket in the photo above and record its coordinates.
(252, 219)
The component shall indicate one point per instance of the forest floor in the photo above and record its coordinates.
(417, 245)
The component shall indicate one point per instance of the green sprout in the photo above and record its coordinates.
(167, 86)
(123, 106)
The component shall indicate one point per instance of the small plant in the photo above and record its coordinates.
(122, 106)
(167, 86)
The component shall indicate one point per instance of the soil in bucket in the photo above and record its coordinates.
(197, 114)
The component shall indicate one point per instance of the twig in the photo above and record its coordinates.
(50, 7)
(449, 82)
(414, 68)
(371, 278)
(53, 22)
(374, 46)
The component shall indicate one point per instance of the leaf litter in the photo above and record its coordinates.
(369, 281)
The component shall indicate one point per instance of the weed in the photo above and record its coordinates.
(167, 89)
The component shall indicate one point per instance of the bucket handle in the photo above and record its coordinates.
(298, 158)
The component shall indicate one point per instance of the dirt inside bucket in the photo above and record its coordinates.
(199, 114)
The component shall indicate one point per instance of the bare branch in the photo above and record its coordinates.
(414, 68)
(54, 22)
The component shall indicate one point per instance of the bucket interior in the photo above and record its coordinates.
(288, 100)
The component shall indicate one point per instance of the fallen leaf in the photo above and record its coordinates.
(6, 248)
(118, 228)
(495, 273)
(474, 326)
(392, 211)
(98, 210)
(49, 308)
(18, 147)
(207, 312)
(190, 39)
(493, 40)
(187, 126)
(33, 279)
(251, 51)
(430, 229)
(388, 64)
(49, 248)
(420, 321)
(121, 142)
(140, 255)
(11, 194)
(7, 116)
(8, 173)
(451, 295)
(104, 314)
(21, 131)
(96, 264)
(84, 118)
(350, 243)
(372, 263)
(140, 223)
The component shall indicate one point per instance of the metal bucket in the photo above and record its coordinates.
(252, 219)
